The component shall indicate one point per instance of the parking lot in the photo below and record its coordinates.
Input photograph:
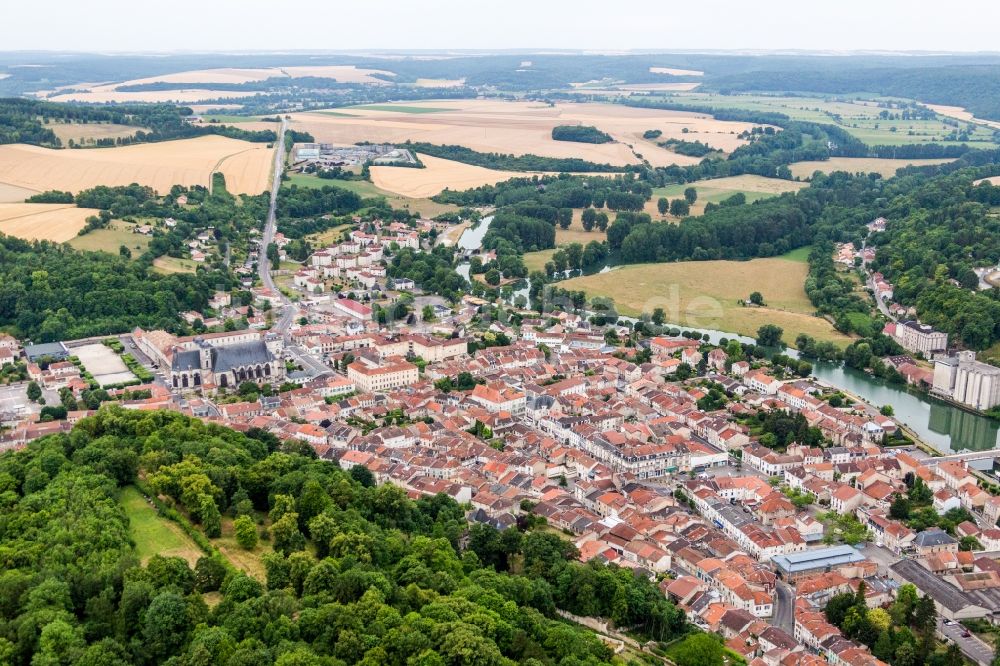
(106, 366)
(14, 400)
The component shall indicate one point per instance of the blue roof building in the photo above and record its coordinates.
(795, 565)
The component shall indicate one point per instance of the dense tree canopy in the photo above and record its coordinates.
(388, 583)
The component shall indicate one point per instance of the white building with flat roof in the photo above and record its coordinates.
(968, 381)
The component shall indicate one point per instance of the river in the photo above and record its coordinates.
(941, 425)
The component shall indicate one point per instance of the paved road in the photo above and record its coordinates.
(263, 262)
(784, 608)
(870, 283)
(971, 646)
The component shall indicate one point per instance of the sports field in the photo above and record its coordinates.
(704, 294)
(54, 222)
(523, 128)
(246, 165)
(885, 167)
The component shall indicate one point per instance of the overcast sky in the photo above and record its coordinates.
(142, 25)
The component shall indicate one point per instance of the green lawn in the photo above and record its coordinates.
(168, 265)
(152, 534)
(800, 254)
(111, 239)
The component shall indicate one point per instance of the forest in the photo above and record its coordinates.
(23, 121)
(974, 87)
(359, 573)
(511, 162)
(769, 152)
(51, 292)
(580, 134)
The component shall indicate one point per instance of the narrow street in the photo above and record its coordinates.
(784, 608)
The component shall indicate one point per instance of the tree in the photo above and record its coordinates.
(838, 606)
(34, 391)
(679, 208)
(900, 508)
(427, 313)
(659, 316)
(209, 572)
(363, 475)
(756, 298)
(285, 535)
(211, 519)
(699, 649)
(602, 221)
(588, 219)
(662, 205)
(246, 532)
(124, 252)
(769, 335)
(165, 626)
(690, 194)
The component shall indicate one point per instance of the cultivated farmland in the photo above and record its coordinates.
(885, 167)
(859, 117)
(716, 189)
(54, 222)
(704, 294)
(88, 133)
(158, 165)
(437, 175)
(523, 128)
(111, 92)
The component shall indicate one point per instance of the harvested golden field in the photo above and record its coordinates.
(704, 294)
(660, 87)
(339, 73)
(994, 180)
(715, 190)
(54, 222)
(13, 194)
(886, 167)
(230, 75)
(675, 72)
(439, 83)
(960, 113)
(438, 175)
(110, 92)
(524, 127)
(158, 165)
(90, 132)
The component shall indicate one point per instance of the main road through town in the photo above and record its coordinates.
(288, 310)
(270, 225)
